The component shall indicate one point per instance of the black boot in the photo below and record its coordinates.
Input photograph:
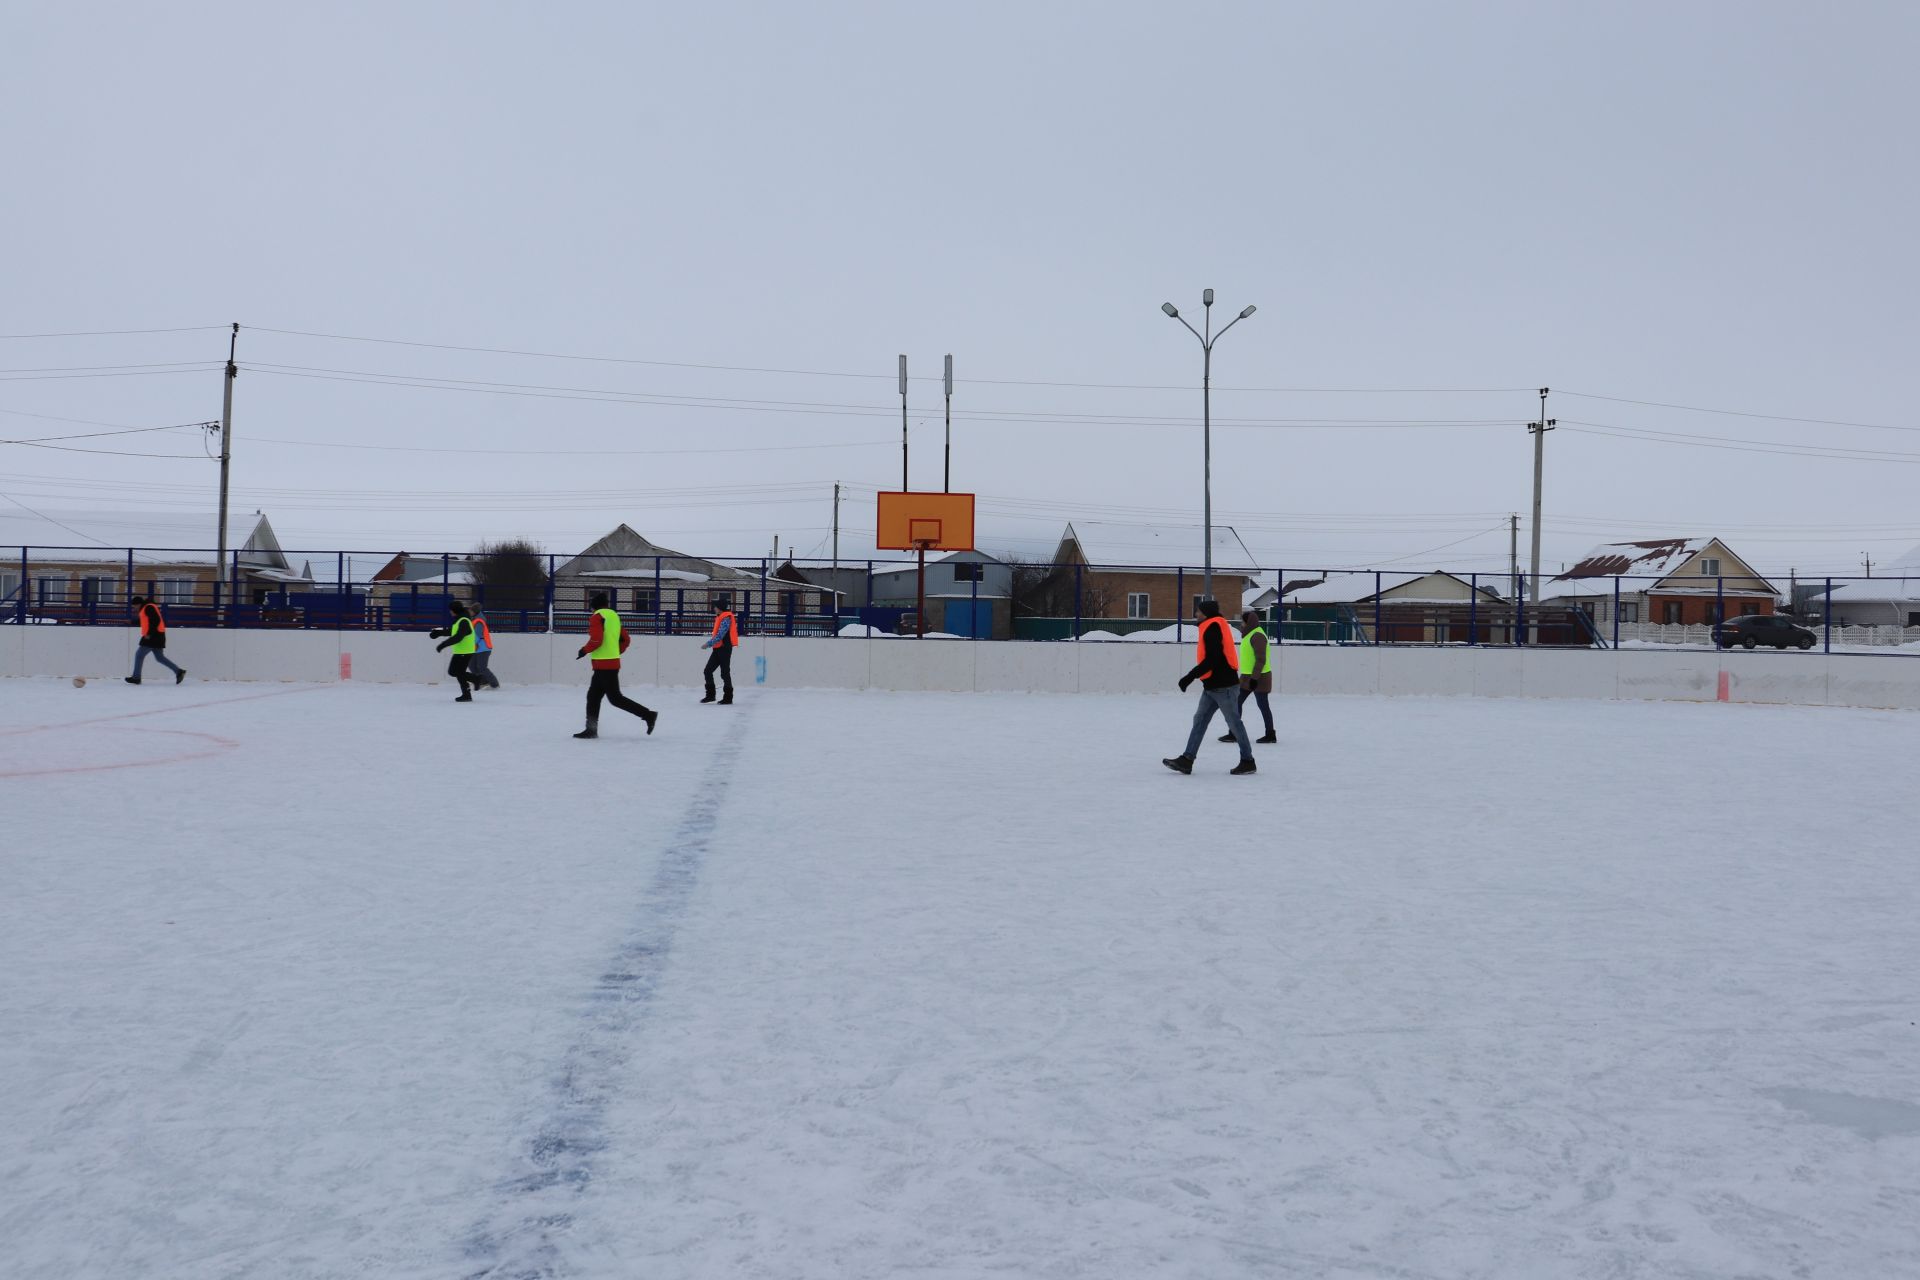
(1179, 764)
(1268, 736)
(726, 699)
(1226, 737)
(652, 718)
(1245, 766)
(593, 728)
(133, 679)
(709, 697)
(180, 675)
(466, 695)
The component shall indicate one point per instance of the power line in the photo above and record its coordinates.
(1740, 413)
(113, 333)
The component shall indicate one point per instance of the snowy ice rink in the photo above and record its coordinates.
(351, 981)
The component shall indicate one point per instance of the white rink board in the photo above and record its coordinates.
(905, 665)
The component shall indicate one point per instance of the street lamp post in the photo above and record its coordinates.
(1207, 339)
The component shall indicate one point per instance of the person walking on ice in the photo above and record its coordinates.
(606, 641)
(464, 640)
(724, 640)
(1256, 672)
(153, 640)
(1219, 676)
(479, 670)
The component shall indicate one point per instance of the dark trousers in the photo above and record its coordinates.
(1266, 708)
(479, 670)
(457, 668)
(606, 684)
(141, 654)
(721, 661)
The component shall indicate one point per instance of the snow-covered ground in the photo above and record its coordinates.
(352, 981)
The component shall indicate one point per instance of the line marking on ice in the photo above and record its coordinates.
(160, 711)
(519, 1237)
(220, 747)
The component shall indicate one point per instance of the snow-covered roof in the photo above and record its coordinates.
(1873, 590)
(1351, 588)
(1105, 543)
(1653, 558)
(177, 538)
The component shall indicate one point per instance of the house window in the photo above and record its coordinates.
(1670, 611)
(9, 584)
(53, 590)
(644, 600)
(1709, 568)
(174, 591)
(1138, 605)
(1913, 619)
(968, 571)
(721, 600)
(1629, 611)
(96, 589)
(789, 601)
(1586, 607)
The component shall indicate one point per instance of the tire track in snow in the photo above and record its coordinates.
(519, 1238)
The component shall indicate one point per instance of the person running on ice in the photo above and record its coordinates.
(1256, 672)
(478, 670)
(1219, 675)
(153, 640)
(723, 641)
(464, 640)
(606, 641)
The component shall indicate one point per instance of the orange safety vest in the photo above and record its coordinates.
(1226, 642)
(486, 633)
(151, 623)
(726, 620)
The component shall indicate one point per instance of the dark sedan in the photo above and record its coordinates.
(1755, 629)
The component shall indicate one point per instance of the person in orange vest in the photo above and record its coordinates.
(479, 669)
(724, 640)
(607, 639)
(1218, 672)
(153, 640)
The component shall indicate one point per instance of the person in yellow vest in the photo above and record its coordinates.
(606, 640)
(1218, 672)
(724, 640)
(1256, 672)
(153, 640)
(464, 640)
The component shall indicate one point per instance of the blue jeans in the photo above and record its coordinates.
(140, 660)
(1227, 702)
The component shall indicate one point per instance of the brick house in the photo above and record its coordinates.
(1145, 571)
(83, 567)
(1662, 580)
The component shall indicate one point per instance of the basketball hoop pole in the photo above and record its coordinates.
(920, 605)
(903, 422)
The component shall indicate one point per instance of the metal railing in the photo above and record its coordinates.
(674, 594)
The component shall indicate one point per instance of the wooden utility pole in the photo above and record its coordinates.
(226, 448)
(836, 524)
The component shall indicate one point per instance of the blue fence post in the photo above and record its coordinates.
(1076, 602)
(656, 595)
(126, 596)
(1616, 611)
(1719, 606)
(1826, 645)
(1279, 635)
(973, 609)
(1376, 608)
(1179, 603)
(763, 594)
(1473, 609)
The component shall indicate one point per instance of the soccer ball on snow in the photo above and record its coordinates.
(79, 682)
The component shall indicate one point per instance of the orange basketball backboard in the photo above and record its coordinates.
(933, 521)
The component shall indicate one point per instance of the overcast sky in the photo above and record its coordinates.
(1706, 205)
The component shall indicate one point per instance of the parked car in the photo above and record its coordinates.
(1754, 629)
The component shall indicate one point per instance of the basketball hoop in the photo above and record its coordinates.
(923, 522)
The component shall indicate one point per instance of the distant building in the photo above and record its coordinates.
(1398, 608)
(1663, 580)
(1151, 571)
(968, 593)
(1891, 598)
(644, 578)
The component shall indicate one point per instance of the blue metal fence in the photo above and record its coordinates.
(669, 595)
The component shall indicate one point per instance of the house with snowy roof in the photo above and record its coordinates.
(1382, 607)
(1891, 598)
(643, 577)
(1691, 581)
(83, 566)
(1153, 570)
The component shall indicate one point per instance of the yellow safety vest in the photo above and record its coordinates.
(609, 635)
(1246, 653)
(467, 643)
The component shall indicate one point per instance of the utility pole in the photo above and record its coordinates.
(1513, 552)
(836, 525)
(1539, 430)
(946, 482)
(226, 448)
(1866, 558)
(903, 422)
